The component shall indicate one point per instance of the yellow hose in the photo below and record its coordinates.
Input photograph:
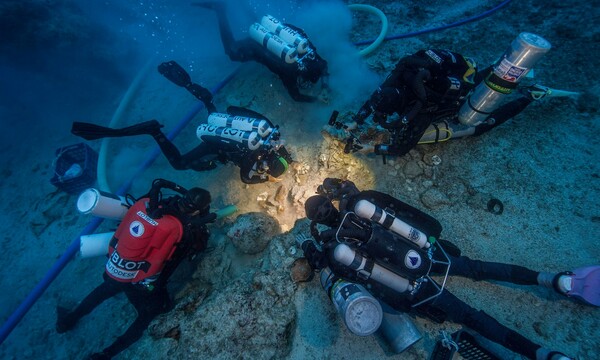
(384, 26)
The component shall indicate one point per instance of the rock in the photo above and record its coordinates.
(412, 169)
(433, 199)
(301, 271)
(252, 232)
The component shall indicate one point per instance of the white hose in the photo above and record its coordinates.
(133, 87)
(384, 26)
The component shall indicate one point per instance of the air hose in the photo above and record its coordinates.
(384, 26)
(439, 28)
(60, 264)
(133, 87)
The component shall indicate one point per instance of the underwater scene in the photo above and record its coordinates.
(300, 179)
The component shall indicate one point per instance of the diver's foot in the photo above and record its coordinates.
(213, 5)
(582, 284)
(64, 320)
(536, 91)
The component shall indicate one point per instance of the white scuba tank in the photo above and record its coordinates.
(261, 126)
(367, 210)
(273, 43)
(347, 256)
(250, 139)
(286, 33)
(102, 204)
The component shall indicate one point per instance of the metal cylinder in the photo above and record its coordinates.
(361, 312)
(524, 52)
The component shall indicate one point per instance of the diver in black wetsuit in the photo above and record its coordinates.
(426, 90)
(256, 165)
(295, 76)
(175, 230)
(364, 243)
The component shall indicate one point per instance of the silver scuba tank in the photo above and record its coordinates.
(519, 58)
(261, 126)
(361, 312)
(250, 139)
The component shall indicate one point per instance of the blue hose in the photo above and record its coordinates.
(439, 28)
(60, 264)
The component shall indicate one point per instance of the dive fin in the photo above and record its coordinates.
(92, 132)
(175, 73)
(586, 285)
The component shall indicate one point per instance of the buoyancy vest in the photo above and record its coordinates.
(142, 245)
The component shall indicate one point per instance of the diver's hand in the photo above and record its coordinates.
(271, 178)
(351, 126)
(301, 239)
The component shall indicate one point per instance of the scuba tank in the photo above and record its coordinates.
(361, 312)
(368, 210)
(95, 244)
(261, 126)
(518, 59)
(102, 204)
(250, 139)
(369, 269)
(286, 33)
(273, 43)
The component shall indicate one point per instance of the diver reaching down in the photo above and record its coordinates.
(421, 99)
(300, 72)
(392, 248)
(261, 157)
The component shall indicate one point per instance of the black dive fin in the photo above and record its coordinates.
(175, 73)
(92, 132)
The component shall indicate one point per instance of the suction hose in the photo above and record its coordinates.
(60, 264)
(384, 26)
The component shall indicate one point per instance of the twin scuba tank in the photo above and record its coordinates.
(283, 41)
(250, 133)
(395, 255)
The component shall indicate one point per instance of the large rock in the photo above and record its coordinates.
(252, 232)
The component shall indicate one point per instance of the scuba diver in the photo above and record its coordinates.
(283, 48)
(422, 99)
(242, 136)
(392, 249)
(155, 235)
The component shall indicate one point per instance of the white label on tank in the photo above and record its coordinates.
(412, 260)
(509, 71)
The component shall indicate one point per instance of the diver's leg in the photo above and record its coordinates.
(484, 270)
(192, 160)
(66, 320)
(148, 305)
(459, 312)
